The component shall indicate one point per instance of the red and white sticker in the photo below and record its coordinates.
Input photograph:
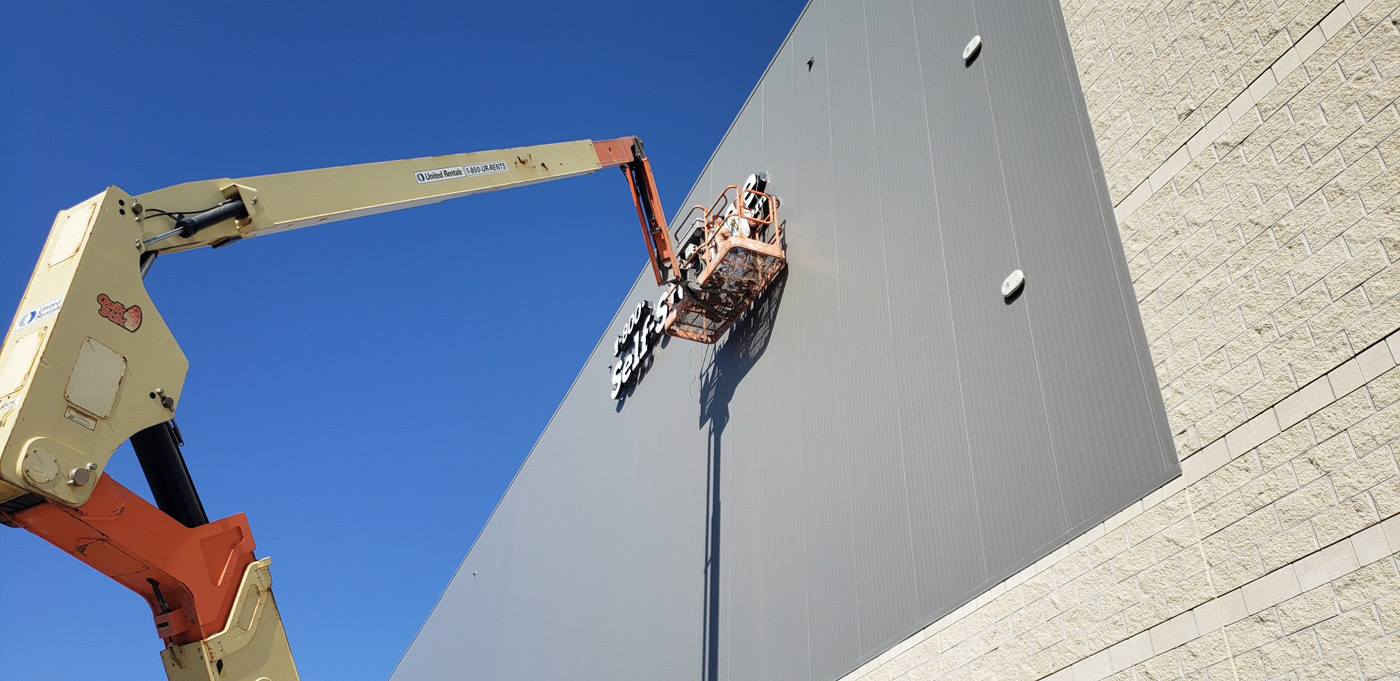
(128, 318)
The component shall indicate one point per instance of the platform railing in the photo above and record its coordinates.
(726, 271)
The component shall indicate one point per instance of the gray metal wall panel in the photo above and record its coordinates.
(1083, 333)
(1006, 421)
(741, 484)
(946, 545)
(1142, 359)
(833, 601)
(785, 531)
(871, 447)
(884, 569)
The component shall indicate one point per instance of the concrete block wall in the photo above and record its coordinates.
(1252, 152)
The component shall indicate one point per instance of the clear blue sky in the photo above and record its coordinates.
(364, 391)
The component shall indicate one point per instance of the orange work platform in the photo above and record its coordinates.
(739, 255)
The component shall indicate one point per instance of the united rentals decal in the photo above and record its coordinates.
(455, 172)
(128, 318)
(31, 317)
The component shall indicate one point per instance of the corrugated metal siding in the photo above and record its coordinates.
(885, 436)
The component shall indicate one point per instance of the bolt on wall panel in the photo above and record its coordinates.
(885, 435)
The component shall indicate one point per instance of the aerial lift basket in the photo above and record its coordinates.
(738, 252)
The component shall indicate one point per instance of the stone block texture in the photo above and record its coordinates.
(1252, 152)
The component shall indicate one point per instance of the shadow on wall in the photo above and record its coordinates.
(741, 350)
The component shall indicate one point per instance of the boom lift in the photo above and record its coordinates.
(734, 252)
(89, 362)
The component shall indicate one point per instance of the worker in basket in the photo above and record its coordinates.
(736, 222)
(695, 255)
(745, 214)
(693, 260)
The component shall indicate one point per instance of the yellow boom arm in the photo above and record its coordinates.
(88, 363)
(276, 203)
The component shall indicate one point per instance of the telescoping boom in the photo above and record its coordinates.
(89, 363)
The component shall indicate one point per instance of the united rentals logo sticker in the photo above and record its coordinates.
(454, 172)
(128, 318)
(31, 317)
(6, 407)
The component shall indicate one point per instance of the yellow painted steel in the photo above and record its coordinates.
(66, 410)
(277, 203)
(88, 361)
(252, 647)
(90, 268)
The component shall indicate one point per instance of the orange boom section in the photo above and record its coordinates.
(628, 153)
(189, 576)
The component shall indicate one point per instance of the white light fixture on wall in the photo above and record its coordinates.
(972, 47)
(1013, 284)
